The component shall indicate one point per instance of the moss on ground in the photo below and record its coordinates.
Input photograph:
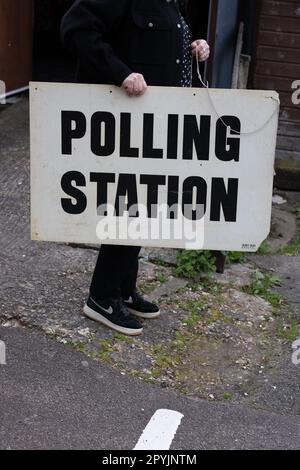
(214, 352)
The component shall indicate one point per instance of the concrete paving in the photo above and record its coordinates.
(55, 398)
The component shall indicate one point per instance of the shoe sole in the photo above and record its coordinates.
(93, 315)
(147, 315)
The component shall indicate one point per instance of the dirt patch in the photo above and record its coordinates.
(212, 342)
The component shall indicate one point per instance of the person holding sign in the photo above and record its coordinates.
(131, 44)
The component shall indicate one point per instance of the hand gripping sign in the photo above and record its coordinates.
(182, 168)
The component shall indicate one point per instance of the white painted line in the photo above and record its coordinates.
(2, 353)
(160, 431)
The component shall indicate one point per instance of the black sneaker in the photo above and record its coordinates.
(113, 314)
(141, 307)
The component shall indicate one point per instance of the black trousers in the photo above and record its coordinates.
(116, 272)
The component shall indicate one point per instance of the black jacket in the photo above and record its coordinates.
(113, 38)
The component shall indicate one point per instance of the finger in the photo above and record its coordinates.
(204, 53)
(137, 91)
(202, 43)
(129, 88)
(197, 52)
(204, 58)
(125, 88)
(145, 88)
(140, 93)
(137, 86)
(203, 49)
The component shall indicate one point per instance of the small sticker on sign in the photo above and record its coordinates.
(248, 246)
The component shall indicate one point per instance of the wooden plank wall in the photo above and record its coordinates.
(16, 25)
(277, 65)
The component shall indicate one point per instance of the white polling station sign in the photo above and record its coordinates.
(182, 168)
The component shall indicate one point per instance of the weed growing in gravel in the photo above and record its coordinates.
(292, 249)
(290, 332)
(265, 248)
(193, 264)
(261, 286)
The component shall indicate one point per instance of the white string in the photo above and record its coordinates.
(206, 86)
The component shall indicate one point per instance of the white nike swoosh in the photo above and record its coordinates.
(108, 311)
(129, 301)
